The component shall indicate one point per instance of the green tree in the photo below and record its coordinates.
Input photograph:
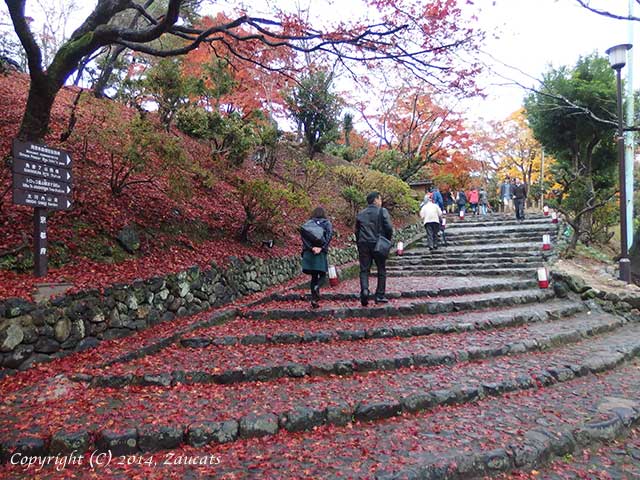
(168, 87)
(316, 110)
(571, 116)
(347, 126)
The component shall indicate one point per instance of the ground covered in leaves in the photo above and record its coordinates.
(175, 232)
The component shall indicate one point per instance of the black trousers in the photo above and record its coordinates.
(317, 278)
(519, 205)
(366, 257)
(432, 229)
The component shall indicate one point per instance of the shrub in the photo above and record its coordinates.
(355, 199)
(265, 205)
(231, 136)
(357, 182)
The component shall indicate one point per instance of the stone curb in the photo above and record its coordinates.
(262, 373)
(417, 308)
(538, 447)
(215, 319)
(380, 331)
(438, 292)
(575, 283)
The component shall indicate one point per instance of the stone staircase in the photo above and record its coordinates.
(481, 246)
(464, 374)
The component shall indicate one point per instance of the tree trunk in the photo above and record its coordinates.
(105, 75)
(35, 122)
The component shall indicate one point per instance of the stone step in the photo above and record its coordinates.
(464, 272)
(517, 229)
(427, 260)
(300, 331)
(300, 309)
(486, 241)
(419, 288)
(420, 400)
(453, 266)
(503, 229)
(475, 221)
(249, 363)
(519, 247)
(445, 253)
(486, 237)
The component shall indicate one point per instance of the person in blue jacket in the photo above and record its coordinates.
(436, 197)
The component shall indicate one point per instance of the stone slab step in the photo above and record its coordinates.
(276, 310)
(472, 234)
(531, 247)
(484, 241)
(466, 272)
(412, 288)
(503, 229)
(248, 363)
(414, 389)
(496, 433)
(427, 260)
(300, 331)
(463, 265)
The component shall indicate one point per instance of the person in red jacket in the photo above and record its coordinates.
(473, 200)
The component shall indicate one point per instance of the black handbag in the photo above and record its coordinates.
(383, 244)
(312, 233)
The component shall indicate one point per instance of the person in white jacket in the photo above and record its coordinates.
(431, 215)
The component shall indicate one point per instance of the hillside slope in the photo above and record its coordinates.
(174, 233)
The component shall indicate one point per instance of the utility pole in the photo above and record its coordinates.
(629, 139)
(542, 179)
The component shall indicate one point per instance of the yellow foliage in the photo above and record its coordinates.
(519, 152)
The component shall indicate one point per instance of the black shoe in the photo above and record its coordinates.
(314, 304)
(315, 293)
(381, 300)
(364, 298)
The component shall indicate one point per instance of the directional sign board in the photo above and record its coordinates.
(33, 169)
(41, 176)
(41, 154)
(42, 180)
(43, 185)
(42, 200)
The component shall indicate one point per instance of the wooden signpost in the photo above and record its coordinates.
(42, 180)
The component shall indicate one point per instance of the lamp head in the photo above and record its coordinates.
(617, 55)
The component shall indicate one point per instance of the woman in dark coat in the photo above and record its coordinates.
(314, 259)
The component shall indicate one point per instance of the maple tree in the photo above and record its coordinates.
(421, 38)
(414, 131)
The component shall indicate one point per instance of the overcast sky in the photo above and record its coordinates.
(533, 34)
(528, 35)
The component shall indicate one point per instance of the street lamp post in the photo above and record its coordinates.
(617, 59)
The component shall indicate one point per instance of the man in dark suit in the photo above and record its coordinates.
(372, 222)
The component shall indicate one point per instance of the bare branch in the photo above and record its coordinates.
(606, 13)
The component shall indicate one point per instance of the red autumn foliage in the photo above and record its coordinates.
(97, 214)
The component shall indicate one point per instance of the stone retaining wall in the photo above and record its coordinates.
(34, 332)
